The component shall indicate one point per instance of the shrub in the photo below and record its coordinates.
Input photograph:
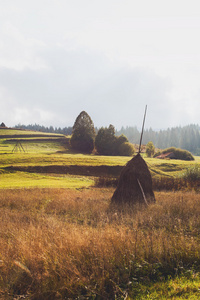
(150, 149)
(121, 139)
(179, 153)
(126, 149)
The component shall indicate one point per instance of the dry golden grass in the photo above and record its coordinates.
(61, 244)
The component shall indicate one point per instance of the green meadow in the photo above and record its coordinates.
(53, 150)
(46, 154)
(16, 180)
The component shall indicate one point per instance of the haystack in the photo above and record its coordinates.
(135, 184)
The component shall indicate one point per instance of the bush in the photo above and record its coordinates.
(150, 149)
(179, 153)
(126, 149)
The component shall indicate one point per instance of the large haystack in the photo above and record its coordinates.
(135, 183)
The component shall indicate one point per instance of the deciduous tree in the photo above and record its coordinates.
(150, 149)
(107, 143)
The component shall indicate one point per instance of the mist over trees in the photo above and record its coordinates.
(187, 137)
(50, 129)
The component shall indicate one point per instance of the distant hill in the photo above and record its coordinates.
(21, 133)
(11, 139)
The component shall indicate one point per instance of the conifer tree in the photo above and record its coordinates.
(83, 134)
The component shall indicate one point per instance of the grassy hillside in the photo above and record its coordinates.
(30, 141)
(13, 131)
(48, 162)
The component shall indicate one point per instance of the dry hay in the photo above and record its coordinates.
(135, 183)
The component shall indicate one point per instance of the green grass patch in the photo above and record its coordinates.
(30, 147)
(169, 167)
(184, 287)
(48, 157)
(49, 150)
(31, 180)
(52, 158)
(13, 132)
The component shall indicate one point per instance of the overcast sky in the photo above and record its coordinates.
(107, 57)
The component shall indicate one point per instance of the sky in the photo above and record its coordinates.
(109, 58)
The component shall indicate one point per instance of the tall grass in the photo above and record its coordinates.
(186, 180)
(189, 179)
(65, 244)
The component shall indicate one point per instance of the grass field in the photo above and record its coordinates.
(60, 238)
(13, 132)
(46, 155)
(16, 180)
(70, 244)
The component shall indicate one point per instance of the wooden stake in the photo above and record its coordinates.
(142, 129)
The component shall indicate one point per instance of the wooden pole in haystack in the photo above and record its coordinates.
(135, 182)
(142, 129)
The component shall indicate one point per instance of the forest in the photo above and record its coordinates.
(187, 137)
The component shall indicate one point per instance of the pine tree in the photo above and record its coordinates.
(83, 134)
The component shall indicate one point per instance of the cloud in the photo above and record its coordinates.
(77, 80)
(109, 58)
(17, 52)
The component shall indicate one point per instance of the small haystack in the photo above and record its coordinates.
(135, 184)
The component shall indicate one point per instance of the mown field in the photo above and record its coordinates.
(46, 162)
(60, 238)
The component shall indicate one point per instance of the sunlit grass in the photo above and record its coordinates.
(36, 157)
(31, 180)
(183, 287)
(53, 152)
(50, 158)
(13, 132)
(61, 243)
(61, 239)
(31, 148)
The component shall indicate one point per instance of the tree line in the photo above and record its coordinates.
(50, 129)
(187, 137)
